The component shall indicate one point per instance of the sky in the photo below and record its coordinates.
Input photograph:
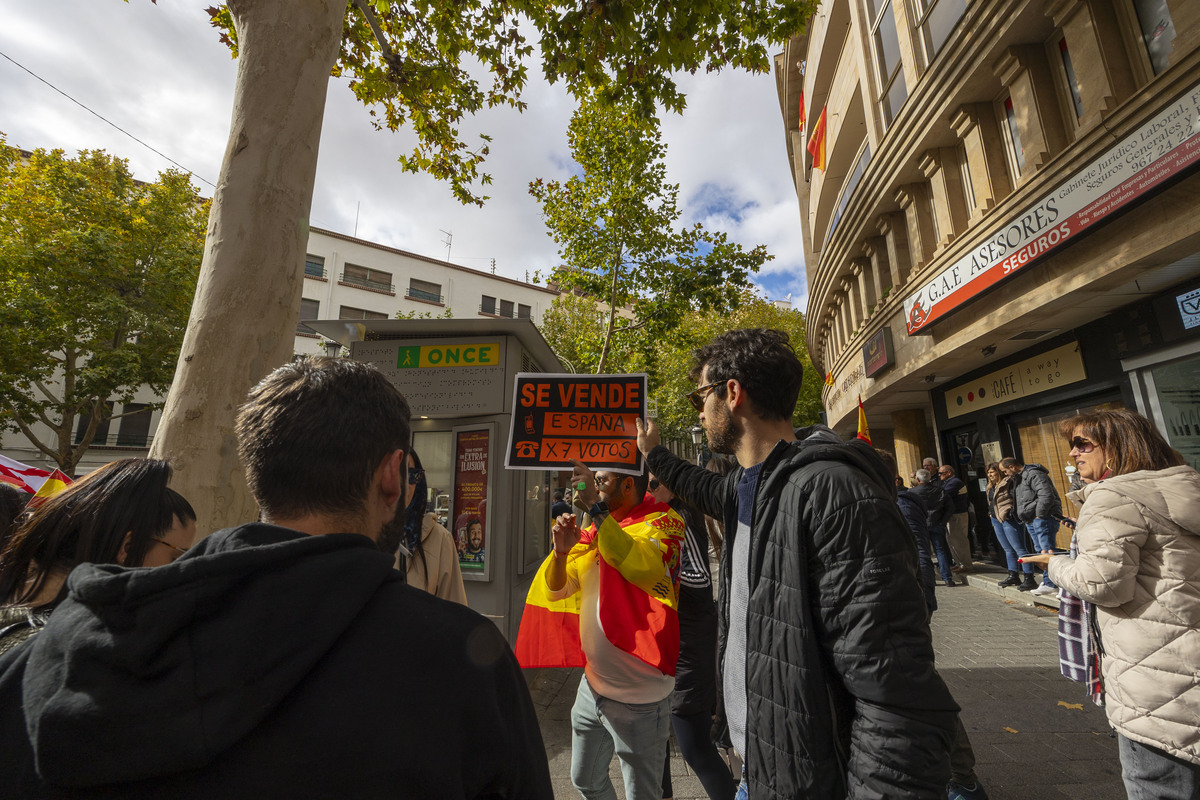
(159, 73)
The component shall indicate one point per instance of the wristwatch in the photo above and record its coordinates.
(598, 511)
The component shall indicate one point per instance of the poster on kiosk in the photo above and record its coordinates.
(468, 511)
(588, 418)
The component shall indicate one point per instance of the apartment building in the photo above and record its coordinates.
(999, 202)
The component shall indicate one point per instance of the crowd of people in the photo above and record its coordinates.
(323, 650)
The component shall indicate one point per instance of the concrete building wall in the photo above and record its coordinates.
(1031, 184)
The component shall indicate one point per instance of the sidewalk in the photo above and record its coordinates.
(1035, 735)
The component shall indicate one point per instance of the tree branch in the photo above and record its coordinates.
(42, 388)
(25, 429)
(385, 49)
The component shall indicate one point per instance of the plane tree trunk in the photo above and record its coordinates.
(243, 319)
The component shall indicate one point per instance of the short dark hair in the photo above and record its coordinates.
(12, 503)
(558, 494)
(1010, 462)
(1130, 441)
(87, 523)
(312, 433)
(889, 461)
(763, 361)
(641, 482)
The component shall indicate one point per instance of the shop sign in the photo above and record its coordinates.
(1163, 147)
(455, 378)
(588, 418)
(878, 353)
(1051, 369)
(1189, 309)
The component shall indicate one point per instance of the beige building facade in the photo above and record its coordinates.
(1007, 228)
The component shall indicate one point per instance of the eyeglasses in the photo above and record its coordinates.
(1082, 445)
(654, 484)
(698, 397)
(415, 474)
(180, 550)
(601, 481)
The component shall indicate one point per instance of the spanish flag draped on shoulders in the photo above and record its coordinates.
(638, 572)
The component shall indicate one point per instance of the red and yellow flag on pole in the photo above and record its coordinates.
(863, 433)
(801, 123)
(816, 143)
(54, 484)
(829, 378)
(639, 593)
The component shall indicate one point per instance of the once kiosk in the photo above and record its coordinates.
(458, 376)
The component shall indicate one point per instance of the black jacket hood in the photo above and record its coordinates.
(819, 443)
(148, 672)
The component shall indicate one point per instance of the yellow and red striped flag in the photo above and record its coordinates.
(54, 484)
(801, 123)
(863, 433)
(829, 378)
(816, 143)
(639, 593)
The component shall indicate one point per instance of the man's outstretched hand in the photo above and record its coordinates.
(648, 437)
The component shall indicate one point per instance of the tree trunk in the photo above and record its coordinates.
(243, 319)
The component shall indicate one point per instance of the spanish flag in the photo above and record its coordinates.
(863, 433)
(829, 378)
(800, 125)
(54, 484)
(816, 143)
(638, 562)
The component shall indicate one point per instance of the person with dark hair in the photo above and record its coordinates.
(1002, 512)
(431, 562)
(694, 699)
(912, 505)
(12, 503)
(1038, 507)
(1136, 564)
(938, 508)
(281, 658)
(122, 513)
(607, 599)
(956, 527)
(561, 506)
(826, 656)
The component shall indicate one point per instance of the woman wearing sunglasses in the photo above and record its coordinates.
(123, 513)
(433, 561)
(1138, 562)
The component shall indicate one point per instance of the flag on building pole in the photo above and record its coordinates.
(800, 125)
(24, 477)
(816, 143)
(829, 378)
(55, 483)
(863, 433)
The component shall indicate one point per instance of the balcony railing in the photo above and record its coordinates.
(137, 440)
(493, 311)
(850, 187)
(365, 283)
(421, 294)
(312, 270)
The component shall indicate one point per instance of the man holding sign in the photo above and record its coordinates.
(606, 599)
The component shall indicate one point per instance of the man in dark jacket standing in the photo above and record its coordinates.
(830, 685)
(960, 542)
(938, 509)
(282, 658)
(1038, 506)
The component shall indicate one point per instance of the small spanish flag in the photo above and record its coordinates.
(800, 125)
(829, 378)
(863, 433)
(54, 484)
(816, 143)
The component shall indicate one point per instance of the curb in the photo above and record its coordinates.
(990, 581)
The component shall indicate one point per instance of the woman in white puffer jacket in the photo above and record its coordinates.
(1138, 538)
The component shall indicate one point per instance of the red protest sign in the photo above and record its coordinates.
(589, 418)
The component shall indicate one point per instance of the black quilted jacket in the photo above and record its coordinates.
(843, 699)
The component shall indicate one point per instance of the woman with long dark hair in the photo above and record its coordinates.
(432, 563)
(1138, 563)
(123, 513)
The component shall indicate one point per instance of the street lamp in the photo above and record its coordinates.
(332, 349)
(697, 439)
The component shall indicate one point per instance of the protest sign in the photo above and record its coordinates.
(589, 418)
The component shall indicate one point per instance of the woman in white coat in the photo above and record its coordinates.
(1138, 541)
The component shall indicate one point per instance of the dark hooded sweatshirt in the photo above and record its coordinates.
(842, 696)
(266, 663)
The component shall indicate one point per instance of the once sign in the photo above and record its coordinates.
(589, 418)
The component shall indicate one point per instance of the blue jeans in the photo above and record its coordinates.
(937, 535)
(1042, 532)
(1012, 539)
(636, 732)
(1151, 774)
(743, 792)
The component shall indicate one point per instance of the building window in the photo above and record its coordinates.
(100, 437)
(424, 290)
(314, 266)
(506, 308)
(367, 278)
(1072, 83)
(1158, 31)
(887, 58)
(350, 312)
(1015, 150)
(936, 20)
(309, 309)
(135, 426)
(523, 311)
(487, 305)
